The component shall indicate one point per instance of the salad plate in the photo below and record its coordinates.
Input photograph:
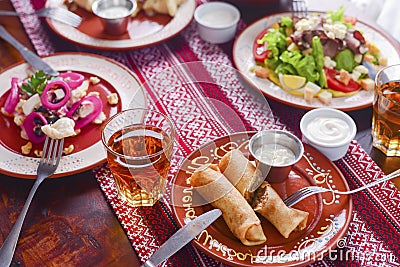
(328, 220)
(143, 31)
(244, 61)
(88, 150)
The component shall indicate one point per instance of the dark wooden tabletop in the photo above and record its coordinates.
(69, 222)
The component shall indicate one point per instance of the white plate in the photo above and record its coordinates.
(90, 153)
(244, 61)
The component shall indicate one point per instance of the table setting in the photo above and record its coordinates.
(185, 96)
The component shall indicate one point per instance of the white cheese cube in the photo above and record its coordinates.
(85, 109)
(59, 93)
(30, 104)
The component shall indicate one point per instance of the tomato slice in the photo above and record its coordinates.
(337, 85)
(351, 20)
(260, 52)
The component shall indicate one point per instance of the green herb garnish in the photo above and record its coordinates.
(35, 84)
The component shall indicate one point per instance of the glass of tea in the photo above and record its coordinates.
(386, 111)
(139, 145)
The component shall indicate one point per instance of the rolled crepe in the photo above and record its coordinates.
(268, 203)
(237, 213)
(241, 173)
(265, 201)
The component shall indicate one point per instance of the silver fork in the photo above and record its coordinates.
(57, 13)
(49, 161)
(299, 8)
(311, 190)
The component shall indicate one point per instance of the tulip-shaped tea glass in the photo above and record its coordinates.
(386, 111)
(139, 145)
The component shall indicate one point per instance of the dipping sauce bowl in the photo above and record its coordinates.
(275, 151)
(114, 14)
(328, 130)
(217, 21)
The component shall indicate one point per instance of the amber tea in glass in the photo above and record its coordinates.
(139, 146)
(386, 111)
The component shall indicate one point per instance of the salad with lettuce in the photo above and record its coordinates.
(319, 56)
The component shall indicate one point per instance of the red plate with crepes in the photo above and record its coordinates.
(328, 221)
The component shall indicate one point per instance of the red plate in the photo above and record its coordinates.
(328, 221)
(143, 30)
(88, 150)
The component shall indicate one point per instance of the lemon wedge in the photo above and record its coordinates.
(291, 82)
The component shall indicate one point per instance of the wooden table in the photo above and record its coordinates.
(69, 222)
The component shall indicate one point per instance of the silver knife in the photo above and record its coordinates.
(34, 60)
(182, 237)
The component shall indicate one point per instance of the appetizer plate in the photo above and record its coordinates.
(328, 220)
(244, 62)
(142, 31)
(88, 149)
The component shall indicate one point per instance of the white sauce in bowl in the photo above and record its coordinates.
(217, 18)
(328, 130)
(275, 155)
(114, 12)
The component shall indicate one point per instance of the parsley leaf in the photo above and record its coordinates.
(35, 84)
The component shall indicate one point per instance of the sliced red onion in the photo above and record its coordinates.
(97, 108)
(73, 79)
(29, 127)
(52, 86)
(13, 97)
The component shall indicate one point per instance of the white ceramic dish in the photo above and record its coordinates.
(332, 134)
(88, 146)
(244, 62)
(217, 21)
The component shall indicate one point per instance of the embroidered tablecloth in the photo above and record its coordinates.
(219, 104)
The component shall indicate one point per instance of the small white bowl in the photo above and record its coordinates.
(217, 21)
(328, 130)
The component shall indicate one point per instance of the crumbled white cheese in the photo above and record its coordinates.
(85, 109)
(329, 63)
(303, 25)
(59, 93)
(335, 30)
(355, 75)
(30, 104)
(361, 69)
(99, 120)
(79, 92)
(64, 127)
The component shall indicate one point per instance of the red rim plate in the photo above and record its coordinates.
(143, 30)
(88, 151)
(328, 220)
